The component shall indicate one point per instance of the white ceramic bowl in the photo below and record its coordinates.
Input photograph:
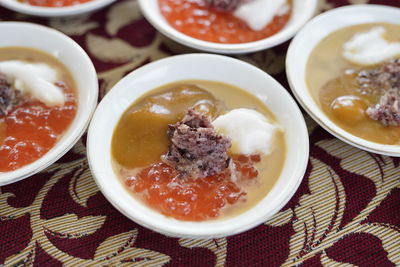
(305, 42)
(54, 11)
(77, 62)
(303, 10)
(197, 67)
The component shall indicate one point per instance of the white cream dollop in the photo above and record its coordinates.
(34, 79)
(259, 13)
(249, 130)
(369, 48)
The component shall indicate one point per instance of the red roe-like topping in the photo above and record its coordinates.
(161, 187)
(244, 165)
(32, 129)
(198, 20)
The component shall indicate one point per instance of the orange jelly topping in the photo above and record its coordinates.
(161, 187)
(32, 129)
(196, 19)
(55, 3)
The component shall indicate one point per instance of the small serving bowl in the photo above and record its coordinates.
(304, 43)
(302, 11)
(69, 53)
(55, 11)
(197, 67)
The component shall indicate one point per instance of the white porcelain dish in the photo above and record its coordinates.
(55, 11)
(305, 42)
(197, 67)
(303, 10)
(78, 63)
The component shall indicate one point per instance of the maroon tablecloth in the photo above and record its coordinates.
(346, 211)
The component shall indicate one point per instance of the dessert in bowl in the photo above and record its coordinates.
(228, 26)
(48, 92)
(54, 8)
(198, 150)
(346, 75)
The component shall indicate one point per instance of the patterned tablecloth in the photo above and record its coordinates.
(346, 211)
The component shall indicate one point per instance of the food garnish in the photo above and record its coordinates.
(196, 149)
(37, 105)
(227, 21)
(385, 81)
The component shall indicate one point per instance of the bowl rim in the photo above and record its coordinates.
(58, 150)
(54, 11)
(174, 227)
(302, 93)
(155, 17)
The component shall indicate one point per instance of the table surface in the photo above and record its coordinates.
(346, 211)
